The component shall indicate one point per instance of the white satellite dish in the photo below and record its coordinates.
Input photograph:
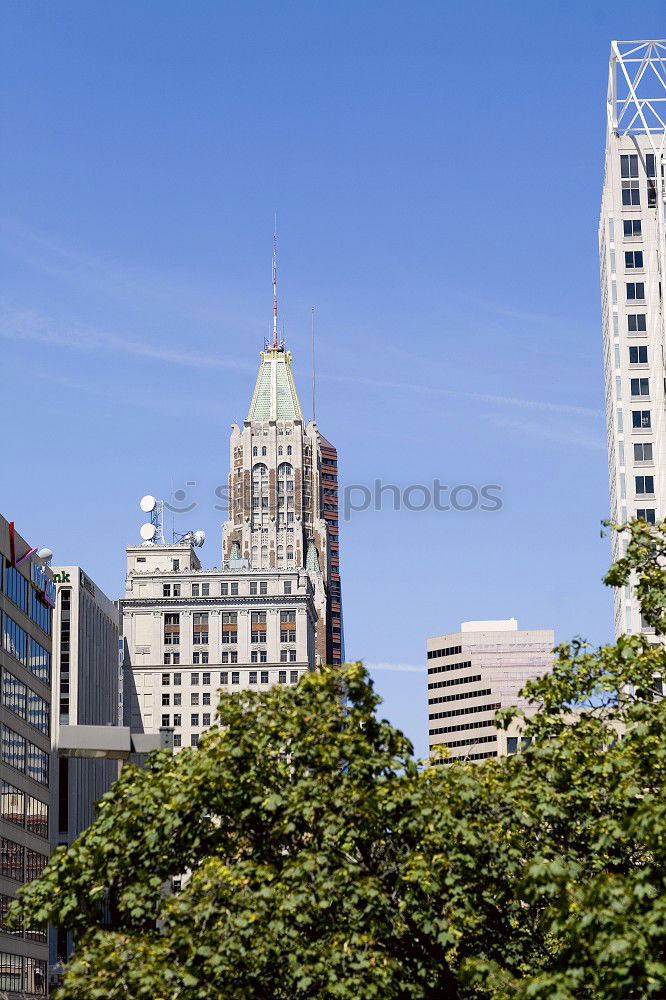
(147, 503)
(199, 537)
(45, 554)
(147, 532)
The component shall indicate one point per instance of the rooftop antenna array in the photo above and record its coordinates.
(195, 538)
(153, 530)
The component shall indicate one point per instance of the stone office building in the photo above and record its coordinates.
(26, 601)
(190, 632)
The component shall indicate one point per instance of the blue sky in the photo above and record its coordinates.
(436, 169)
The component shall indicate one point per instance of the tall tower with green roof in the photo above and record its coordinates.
(283, 490)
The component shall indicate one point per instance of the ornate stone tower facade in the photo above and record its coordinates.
(283, 497)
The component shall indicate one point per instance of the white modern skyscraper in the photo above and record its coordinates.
(631, 250)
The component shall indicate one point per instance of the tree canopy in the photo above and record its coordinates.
(323, 861)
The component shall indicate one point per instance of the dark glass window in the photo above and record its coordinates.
(38, 712)
(34, 864)
(633, 259)
(644, 484)
(40, 612)
(13, 749)
(11, 859)
(14, 694)
(640, 386)
(646, 514)
(635, 290)
(14, 640)
(40, 661)
(632, 227)
(638, 355)
(235, 677)
(16, 586)
(11, 972)
(637, 323)
(37, 764)
(37, 817)
(13, 804)
(643, 452)
(264, 677)
(5, 903)
(640, 418)
(282, 676)
(629, 165)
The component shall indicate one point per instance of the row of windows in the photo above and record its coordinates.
(16, 806)
(459, 697)
(177, 679)
(433, 654)
(24, 756)
(470, 742)
(25, 649)
(450, 666)
(200, 631)
(263, 450)
(454, 680)
(19, 974)
(472, 710)
(20, 863)
(176, 720)
(17, 589)
(483, 724)
(226, 589)
(468, 756)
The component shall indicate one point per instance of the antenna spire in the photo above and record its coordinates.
(275, 327)
(314, 412)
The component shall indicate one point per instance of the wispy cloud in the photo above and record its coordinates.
(561, 435)
(481, 397)
(397, 668)
(29, 327)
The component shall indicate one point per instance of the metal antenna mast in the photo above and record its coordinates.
(314, 412)
(275, 328)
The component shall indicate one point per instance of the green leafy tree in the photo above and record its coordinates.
(325, 862)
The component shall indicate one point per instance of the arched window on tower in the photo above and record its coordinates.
(259, 492)
(285, 493)
(289, 449)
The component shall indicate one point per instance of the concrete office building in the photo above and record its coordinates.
(87, 691)
(190, 631)
(473, 673)
(631, 242)
(26, 599)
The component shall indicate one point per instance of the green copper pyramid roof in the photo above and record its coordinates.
(275, 396)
